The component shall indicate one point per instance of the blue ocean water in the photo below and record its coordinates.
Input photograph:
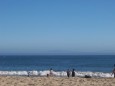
(94, 63)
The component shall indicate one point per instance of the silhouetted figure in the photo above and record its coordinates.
(113, 72)
(28, 73)
(73, 73)
(68, 73)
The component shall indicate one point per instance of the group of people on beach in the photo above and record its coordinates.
(69, 73)
(72, 73)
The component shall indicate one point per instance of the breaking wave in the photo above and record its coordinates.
(55, 73)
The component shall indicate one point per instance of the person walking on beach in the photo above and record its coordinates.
(73, 73)
(68, 73)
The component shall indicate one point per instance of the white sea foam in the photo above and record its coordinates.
(55, 73)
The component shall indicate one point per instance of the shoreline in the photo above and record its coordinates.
(56, 74)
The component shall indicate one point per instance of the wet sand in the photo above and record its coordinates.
(54, 81)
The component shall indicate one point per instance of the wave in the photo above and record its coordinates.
(55, 73)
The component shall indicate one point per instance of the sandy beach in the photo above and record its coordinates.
(54, 81)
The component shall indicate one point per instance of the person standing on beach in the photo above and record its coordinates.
(113, 71)
(73, 73)
(68, 73)
(51, 72)
(28, 73)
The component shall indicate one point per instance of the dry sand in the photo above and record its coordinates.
(54, 81)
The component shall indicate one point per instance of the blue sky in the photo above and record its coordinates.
(57, 27)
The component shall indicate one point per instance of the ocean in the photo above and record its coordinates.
(81, 63)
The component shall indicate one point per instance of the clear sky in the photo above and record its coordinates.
(57, 26)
